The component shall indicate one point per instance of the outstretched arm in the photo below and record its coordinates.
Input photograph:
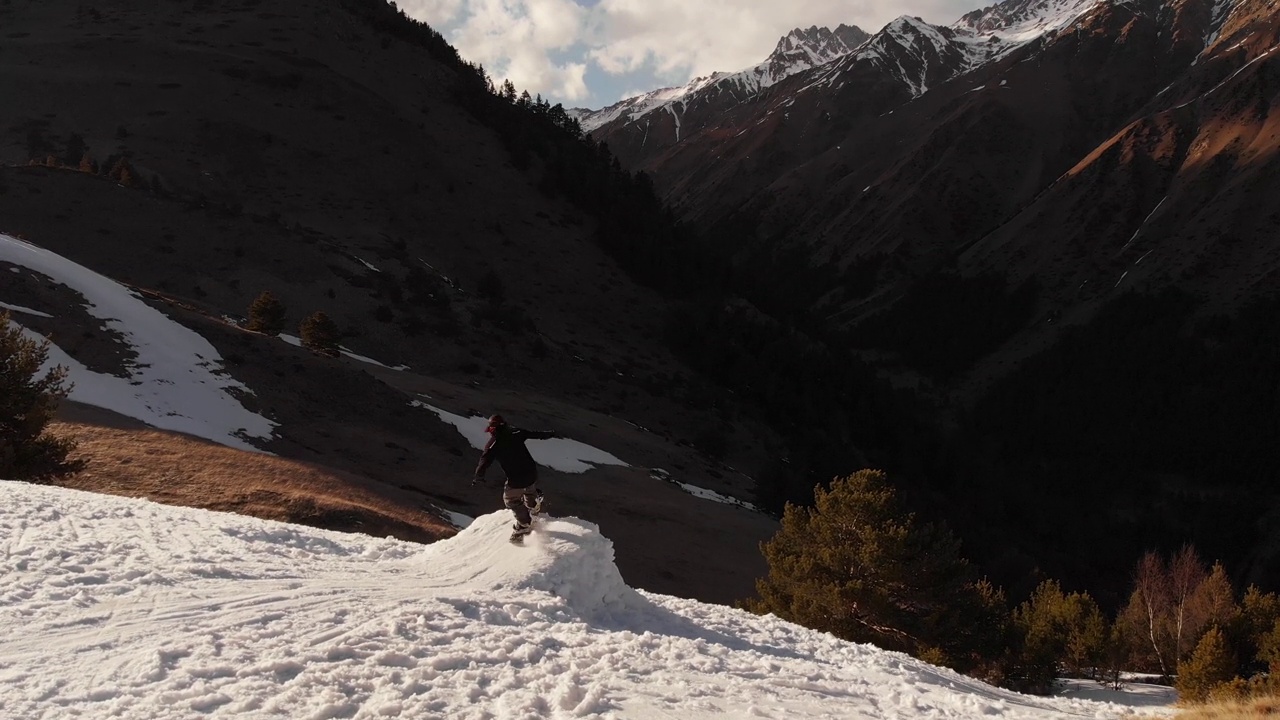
(486, 459)
(538, 434)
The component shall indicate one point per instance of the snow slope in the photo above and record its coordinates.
(116, 607)
(176, 382)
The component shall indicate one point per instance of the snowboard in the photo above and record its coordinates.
(535, 521)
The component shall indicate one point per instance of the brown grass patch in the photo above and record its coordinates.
(177, 469)
(1263, 707)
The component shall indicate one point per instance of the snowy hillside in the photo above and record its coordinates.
(113, 607)
(175, 379)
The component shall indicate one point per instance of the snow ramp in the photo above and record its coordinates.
(566, 557)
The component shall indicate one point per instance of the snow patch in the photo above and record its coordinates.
(700, 492)
(297, 342)
(24, 310)
(457, 519)
(561, 454)
(177, 382)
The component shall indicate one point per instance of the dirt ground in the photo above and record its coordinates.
(124, 457)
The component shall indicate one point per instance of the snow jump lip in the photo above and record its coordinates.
(567, 557)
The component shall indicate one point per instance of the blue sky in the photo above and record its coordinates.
(591, 53)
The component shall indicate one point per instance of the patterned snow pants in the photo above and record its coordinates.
(519, 500)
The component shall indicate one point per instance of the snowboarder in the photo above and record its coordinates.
(521, 493)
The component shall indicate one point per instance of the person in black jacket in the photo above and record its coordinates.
(521, 493)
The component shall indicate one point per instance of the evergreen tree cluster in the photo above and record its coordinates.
(858, 565)
(320, 334)
(28, 400)
(116, 167)
(266, 314)
(317, 331)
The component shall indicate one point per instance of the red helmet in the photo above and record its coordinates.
(495, 421)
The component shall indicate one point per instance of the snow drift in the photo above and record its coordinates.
(565, 557)
(116, 607)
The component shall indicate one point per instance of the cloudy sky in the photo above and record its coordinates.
(591, 53)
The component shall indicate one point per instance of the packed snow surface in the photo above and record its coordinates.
(117, 607)
(175, 382)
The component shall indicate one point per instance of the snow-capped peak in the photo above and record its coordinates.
(818, 45)
(797, 51)
(635, 107)
(916, 52)
(1017, 21)
(922, 55)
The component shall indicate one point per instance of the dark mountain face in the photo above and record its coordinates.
(348, 161)
(1056, 222)
(928, 140)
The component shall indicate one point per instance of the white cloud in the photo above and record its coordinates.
(516, 38)
(684, 39)
(439, 12)
(667, 41)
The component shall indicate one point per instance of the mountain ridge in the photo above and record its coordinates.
(795, 52)
(995, 242)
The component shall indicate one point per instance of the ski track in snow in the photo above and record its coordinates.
(177, 381)
(117, 607)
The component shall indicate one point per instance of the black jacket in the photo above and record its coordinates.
(506, 445)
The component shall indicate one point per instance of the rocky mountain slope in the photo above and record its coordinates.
(1053, 223)
(341, 157)
(1032, 140)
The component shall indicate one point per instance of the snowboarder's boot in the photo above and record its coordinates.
(518, 531)
(534, 503)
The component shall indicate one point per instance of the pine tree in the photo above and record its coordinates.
(857, 566)
(1213, 602)
(1260, 625)
(1088, 636)
(27, 404)
(123, 173)
(1269, 649)
(1210, 665)
(1058, 630)
(266, 314)
(320, 334)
